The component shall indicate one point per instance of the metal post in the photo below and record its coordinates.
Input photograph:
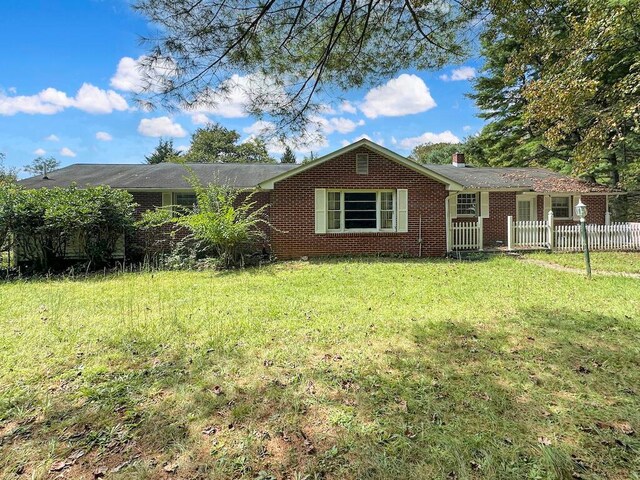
(585, 243)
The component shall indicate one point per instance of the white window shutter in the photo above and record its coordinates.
(403, 210)
(453, 205)
(167, 199)
(484, 204)
(547, 206)
(576, 200)
(321, 210)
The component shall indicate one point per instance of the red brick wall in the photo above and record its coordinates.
(293, 210)
(596, 209)
(494, 228)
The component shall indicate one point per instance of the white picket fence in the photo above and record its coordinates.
(466, 235)
(616, 236)
(547, 235)
(532, 234)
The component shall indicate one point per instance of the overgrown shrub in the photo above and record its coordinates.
(222, 222)
(41, 225)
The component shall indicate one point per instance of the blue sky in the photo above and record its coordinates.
(68, 75)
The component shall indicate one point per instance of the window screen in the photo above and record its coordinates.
(359, 210)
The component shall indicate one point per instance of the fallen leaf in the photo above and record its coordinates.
(99, 472)
(58, 466)
(170, 467)
(217, 390)
(544, 441)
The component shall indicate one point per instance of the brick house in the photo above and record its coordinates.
(365, 199)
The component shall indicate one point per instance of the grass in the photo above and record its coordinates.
(345, 369)
(620, 262)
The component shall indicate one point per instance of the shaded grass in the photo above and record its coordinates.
(336, 369)
(621, 262)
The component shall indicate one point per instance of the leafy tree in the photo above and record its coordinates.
(7, 174)
(439, 153)
(164, 152)
(217, 144)
(42, 165)
(559, 87)
(43, 222)
(288, 156)
(288, 51)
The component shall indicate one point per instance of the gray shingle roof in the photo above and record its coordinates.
(157, 177)
(535, 179)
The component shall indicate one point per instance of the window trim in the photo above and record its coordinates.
(477, 203)
(342, 228)
(569, 206)
(177, 206)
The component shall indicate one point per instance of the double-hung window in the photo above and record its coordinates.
(361, 211)
(185, 202)
(561, 207)
(467, 204)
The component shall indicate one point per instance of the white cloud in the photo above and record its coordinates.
(130, 75)
(260, 127)
(67, 152)
(394, 141)
(92, 99)
(104, 136)
(234, 96)
(347, 107)
(459, 74)
(183, 148)
(400, 96)
(200, 119)
(39, 152)
(467, 128)
(161, 127)
(12, 90)
(429, 137)
(49, 101)
(336, 124)
(312, 139)
(52, 138)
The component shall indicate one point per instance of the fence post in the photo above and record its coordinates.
(509, 233)
(607, 218)
(480, 239)
(550, 231)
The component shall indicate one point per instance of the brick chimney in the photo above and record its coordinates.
(458, 159)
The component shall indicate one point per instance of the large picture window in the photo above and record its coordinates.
(358, 210)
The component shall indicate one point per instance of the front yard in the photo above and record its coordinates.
(345, 369)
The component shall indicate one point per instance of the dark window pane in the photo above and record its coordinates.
(360, 223)
(360, 214)
(360, 196)
(359, 205)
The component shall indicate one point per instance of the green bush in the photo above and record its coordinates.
(41, 224)
(222, 222)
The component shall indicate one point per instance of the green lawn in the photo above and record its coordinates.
(600, 261)
(346, 369)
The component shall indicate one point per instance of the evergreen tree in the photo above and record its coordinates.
(288, 156)
(163, 153)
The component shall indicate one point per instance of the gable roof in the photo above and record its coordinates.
(450, 183)
(510, 178)
(163, 176)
